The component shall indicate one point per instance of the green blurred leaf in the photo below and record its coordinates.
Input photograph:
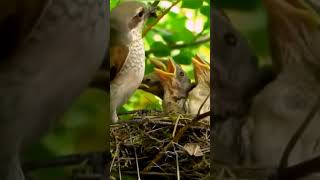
(236, 4)
(205, 10)
(160, 49)
(184, 57)
(113, 3)
(192, 4)
(184, 35)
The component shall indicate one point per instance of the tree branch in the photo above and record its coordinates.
(197, 42)
(159, 17)
(175, 139)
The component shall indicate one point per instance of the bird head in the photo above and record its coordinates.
(174, 95)
(201, 70)
(129, 17)
(151, 82)
(166, 73)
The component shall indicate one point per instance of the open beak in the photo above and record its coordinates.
(167, 73)
(158, 64)
(200, 65)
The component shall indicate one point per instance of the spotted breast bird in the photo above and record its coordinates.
(199, 97)
(175, 87)
(127, 52)
(49, 51)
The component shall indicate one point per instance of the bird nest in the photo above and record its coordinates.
(157, 145)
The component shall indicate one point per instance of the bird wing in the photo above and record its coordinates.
(118, 56)
(17, 19)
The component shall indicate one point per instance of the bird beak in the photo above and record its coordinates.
(169, 73)
(152, 10)
(158, 64)
(200, 65)
(144, 86)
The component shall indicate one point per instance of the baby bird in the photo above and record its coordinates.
(199, 97)
(151, 82)
(176, 86)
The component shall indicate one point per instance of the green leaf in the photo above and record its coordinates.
(236, 4)
(206, 25)
(192, 4)
(160, 49)
(205, 10)
(184, 57)
(113, 3)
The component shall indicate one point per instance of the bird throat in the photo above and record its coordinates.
(136, 34)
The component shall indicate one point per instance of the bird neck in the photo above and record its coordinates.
(136, 33)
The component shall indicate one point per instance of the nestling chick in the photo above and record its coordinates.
(127, 52)
(151, 82)
(199, 96)
(176, 87)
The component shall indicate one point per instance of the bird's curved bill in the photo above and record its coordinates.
(158, 64)
(200, 64)
(143, 86)
(169, 73)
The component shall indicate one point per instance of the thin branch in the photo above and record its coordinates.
(198, 42)
(297, 134)
(203, 104)
(174, 140)
(195, 43)
(159, 18)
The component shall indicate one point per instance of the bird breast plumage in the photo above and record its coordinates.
(135, 60)
(196, 99)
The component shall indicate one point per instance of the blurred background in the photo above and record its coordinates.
(250, 19)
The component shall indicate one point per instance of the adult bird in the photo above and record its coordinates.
(127, 52)
(198, 100)
(49, 50)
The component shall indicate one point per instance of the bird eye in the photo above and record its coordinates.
(140, 14)
(230, 39)
(181, 73)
